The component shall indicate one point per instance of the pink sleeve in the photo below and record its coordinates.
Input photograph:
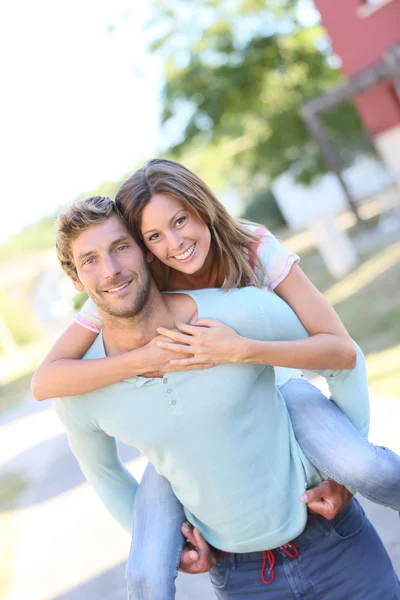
(89, 317)
(276, 260)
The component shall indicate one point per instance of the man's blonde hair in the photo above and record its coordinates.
(77, 218)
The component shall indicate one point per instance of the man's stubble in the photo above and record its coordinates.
(141, 300)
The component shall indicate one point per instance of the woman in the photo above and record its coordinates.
(194, 243)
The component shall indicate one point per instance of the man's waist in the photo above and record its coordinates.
(315, 527)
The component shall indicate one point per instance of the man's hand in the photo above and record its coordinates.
(197, 556)
(328, 499)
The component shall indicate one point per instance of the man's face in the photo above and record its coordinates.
(111, 268)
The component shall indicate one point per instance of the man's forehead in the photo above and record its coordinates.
(101, 235)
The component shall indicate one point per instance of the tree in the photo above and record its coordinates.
(236, 75)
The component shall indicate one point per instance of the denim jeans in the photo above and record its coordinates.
(336, 560)
(336, 448)
(326, 437)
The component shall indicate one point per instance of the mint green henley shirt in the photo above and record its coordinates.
(221, 436)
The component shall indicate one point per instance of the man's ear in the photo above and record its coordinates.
(77, 284)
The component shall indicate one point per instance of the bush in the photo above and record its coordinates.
(262, 208)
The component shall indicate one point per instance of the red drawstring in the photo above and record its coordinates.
(269, 555)
(292, 547)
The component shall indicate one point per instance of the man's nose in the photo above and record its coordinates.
(110, 266)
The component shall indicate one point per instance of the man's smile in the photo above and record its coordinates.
(118, 288)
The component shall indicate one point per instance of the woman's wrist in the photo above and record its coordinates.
(134, 362)
(243, 350)
(250, 351)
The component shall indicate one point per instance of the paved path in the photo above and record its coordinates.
(67, 547)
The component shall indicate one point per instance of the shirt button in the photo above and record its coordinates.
(169, 391)
(173, 402)
(165, 380)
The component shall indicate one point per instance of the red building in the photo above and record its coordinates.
(361, 33)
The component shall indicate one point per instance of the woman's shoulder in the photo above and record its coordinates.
(275, 258)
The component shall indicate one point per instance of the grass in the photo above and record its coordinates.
(14, 392)
(367, 301)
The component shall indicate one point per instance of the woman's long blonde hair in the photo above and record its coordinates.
(232, 239)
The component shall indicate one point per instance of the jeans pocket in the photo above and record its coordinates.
(350, 522)
(219, 576)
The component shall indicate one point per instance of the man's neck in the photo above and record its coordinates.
(122, 335)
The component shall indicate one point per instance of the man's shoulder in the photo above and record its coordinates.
(74, 410)
(96, 350)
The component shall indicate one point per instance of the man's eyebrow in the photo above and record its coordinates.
(83, 255)
(171, 219)
(124, 238)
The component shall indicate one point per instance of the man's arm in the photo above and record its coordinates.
(98, 458)
(349, 389)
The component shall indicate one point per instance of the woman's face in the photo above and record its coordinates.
(174, 235)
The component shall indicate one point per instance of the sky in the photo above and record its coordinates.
(80, 101)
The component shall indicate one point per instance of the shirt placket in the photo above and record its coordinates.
(171, 394)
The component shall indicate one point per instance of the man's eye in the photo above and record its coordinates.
(123, 247)
(88, 261)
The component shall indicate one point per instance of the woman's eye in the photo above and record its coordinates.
(181, 221)
(88, 261)
(153, 237)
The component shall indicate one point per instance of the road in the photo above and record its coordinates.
(66, 546)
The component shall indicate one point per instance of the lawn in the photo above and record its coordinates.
(368, 302)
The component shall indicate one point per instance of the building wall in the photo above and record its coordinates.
(360, 42)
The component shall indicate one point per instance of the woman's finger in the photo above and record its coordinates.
(178, 348)
(176, 336)
(186, 328)
(206, 323)
(187, 362)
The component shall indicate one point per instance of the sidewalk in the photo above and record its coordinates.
(68, 547)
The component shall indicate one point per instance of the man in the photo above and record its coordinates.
(221, 436)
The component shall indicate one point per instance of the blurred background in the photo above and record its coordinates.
(290, 111)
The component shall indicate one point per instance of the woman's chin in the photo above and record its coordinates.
(189, 268)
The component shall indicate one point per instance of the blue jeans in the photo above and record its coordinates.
(326, 437)
(338, 559)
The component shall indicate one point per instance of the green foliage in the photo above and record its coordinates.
(79, 300)
(18, 315)
(263, 209)
(32, 238)
(237, 75)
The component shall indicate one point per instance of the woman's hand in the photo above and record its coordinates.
(158, 359)
(206, 341)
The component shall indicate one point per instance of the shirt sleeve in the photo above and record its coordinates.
(97, 455)
(89, 317)
(275, 258)
(349, 389)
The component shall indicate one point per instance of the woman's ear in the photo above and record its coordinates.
(149, 256)
(77, 284)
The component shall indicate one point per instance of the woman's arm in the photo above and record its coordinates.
(62, 374)
(328, 347)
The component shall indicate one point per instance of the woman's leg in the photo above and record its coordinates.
(334, 445)
(157, 540)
